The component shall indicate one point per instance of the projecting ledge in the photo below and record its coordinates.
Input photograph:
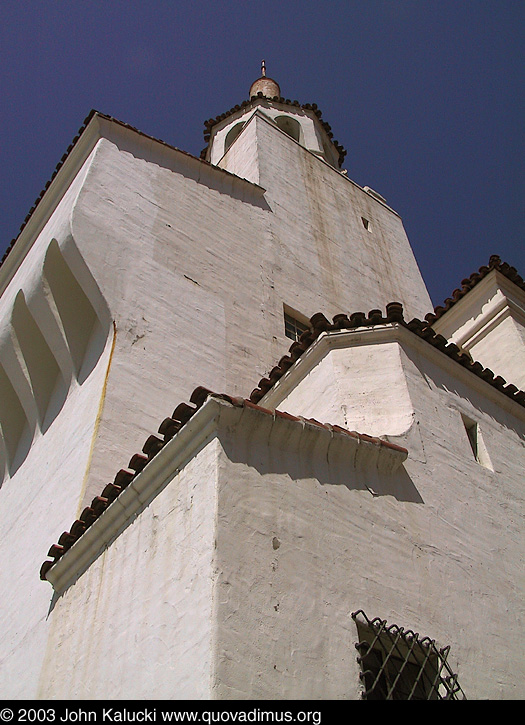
(250, 428)
(309, 438)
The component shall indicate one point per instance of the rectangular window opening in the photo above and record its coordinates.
(294, 327)
(477, 444)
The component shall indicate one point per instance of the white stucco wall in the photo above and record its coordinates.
(503, 351)
(489, 323)
(138, 623)
(141, 616)
(353, 380)
(435, 547)
(241, 157)
(311, 134)
(287, 535)
(201, 292)
(36, 503)
(193, 267)
(322, 258)
(42, 487)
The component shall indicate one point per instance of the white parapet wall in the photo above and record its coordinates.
(489, 323)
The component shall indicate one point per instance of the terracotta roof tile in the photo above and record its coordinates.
(210, 123)
(70, 148)
(394, 314)
(48, 183)
(183, 412)
(154, 444)
(467, 284)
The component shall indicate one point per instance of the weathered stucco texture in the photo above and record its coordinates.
(146, 272)
(489, 323)
(41, 485)
(204, 292)
(290, 532)
(146, 629)
(435, 546)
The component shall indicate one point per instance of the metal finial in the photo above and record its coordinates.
(263, 68)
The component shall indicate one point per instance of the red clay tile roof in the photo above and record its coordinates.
(167, 430)
(210, 123)
(182, 414)
(470, 282)
(394, 313)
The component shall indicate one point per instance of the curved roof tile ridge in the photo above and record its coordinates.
(394, 314)
(169, 427)
(211, 122)
(467, 284)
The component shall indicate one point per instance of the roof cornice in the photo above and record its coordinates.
(394, 314)
(44, 205)
(469, 283)
(180, 436)
(254, 101)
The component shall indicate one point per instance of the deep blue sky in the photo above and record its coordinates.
(425, 95)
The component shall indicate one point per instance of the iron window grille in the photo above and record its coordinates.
(397, 664)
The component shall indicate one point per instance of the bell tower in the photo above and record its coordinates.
(340, 239)
(303, 123)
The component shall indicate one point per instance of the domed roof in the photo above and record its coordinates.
(267, 86)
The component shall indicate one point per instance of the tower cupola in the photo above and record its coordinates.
(226, 135)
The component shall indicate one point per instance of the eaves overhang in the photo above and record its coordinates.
(49, 198)
(258, 113)
(492, 299)
(378, 335)
(182, 437)
(377, 322)
(470, 283)
(279, 101)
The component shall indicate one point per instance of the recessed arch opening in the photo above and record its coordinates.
(232, 134)
(47, 382)
(290, 126)
(14, 426)
(82, 328)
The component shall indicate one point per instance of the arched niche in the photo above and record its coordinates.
(232, 134)
(290, 126)
(47, 383)
(82, 328)
(328, 153)
(14, 426)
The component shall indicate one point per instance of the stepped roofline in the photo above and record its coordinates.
(394, 315)
(176, 426)
(94, 527)
(267, 89)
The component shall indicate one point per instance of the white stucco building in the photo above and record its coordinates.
(217, 512)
